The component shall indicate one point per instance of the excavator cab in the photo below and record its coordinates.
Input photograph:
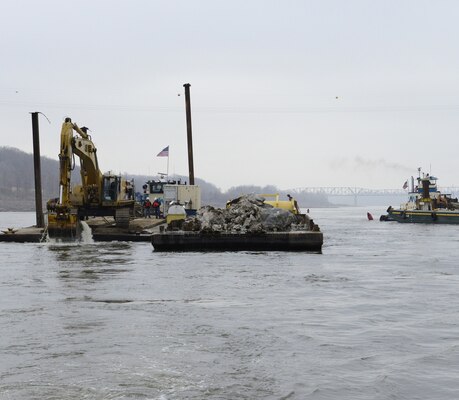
(111, 188)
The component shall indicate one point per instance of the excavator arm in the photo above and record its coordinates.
(91, 177)
(65, 162)
(63, 219)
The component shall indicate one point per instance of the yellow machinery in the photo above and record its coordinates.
(98, 194)
(289, 205)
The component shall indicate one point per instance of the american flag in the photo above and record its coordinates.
(164, 152)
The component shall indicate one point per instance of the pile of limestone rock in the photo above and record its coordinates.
(247, 214)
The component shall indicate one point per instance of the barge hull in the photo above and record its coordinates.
(271, 241)
(425, 217)
(23, 235)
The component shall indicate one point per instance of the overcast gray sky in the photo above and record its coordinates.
(289, 93)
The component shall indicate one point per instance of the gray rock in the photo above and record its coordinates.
(247, 213)
(277, 218)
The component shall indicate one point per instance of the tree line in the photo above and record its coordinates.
(17, 184)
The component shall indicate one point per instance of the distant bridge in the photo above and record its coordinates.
(359, 191)
(353, 191)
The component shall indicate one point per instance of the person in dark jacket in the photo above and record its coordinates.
(147, 208)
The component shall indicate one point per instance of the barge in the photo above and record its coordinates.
(30, 234)
(248, 223)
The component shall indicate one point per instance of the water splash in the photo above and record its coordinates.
(86, 233)
(84, 236)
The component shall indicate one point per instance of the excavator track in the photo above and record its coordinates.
(122, 217)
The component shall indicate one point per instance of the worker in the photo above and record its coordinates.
(112, 191)
(156, 208)
(295, 204)
(147, 208)
(129, 190)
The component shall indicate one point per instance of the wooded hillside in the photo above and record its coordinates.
(17, 185)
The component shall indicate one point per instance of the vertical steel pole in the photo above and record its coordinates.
(189, 135)
(37, 171)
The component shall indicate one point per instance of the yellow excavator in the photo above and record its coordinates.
(98, 195)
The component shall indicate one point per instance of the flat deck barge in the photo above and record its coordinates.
(30, 234)
(102, 231)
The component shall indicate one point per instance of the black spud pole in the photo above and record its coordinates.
(189, 135)
(37, 171)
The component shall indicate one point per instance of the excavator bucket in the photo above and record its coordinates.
(63, 226)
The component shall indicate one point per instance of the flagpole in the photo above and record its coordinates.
(163, 153)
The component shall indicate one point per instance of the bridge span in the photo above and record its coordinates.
(352, 191)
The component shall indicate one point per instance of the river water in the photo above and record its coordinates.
(373, 317)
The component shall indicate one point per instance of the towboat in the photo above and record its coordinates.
(426, 204)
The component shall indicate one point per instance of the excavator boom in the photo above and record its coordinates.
(62, 219)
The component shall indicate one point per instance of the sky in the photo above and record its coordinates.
(286, 93)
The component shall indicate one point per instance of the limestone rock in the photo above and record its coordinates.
(246, 214)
